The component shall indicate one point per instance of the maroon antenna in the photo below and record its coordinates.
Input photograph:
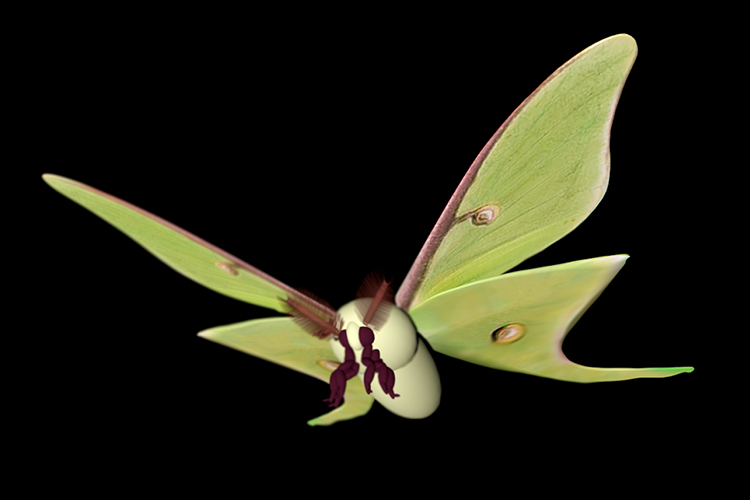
(375, 285)
(313, 320)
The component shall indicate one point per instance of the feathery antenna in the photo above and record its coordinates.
(375, 285)
(311, 319)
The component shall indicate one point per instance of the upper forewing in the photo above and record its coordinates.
(537, 178)
(184, 252)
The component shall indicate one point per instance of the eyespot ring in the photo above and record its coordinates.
(227, 267)
(485, 215)
(508, 333)
(328, 364)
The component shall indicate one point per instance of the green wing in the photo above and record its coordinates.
(276, 339)
(281, 341)
(539, 306)
(537, 178)
(184, 252)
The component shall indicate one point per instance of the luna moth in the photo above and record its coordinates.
(537, 179)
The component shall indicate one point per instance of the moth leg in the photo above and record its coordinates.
(369, 374)
(366, 337)
(337, 383)
(338, 379)
(386, 377)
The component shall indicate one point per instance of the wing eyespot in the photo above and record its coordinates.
(485, 215)
(482, 216)
(508, 333)
(227, 267)
(328, 364)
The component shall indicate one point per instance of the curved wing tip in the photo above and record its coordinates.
(205, 333)
(53, 179)
(50, 177)
(609, 260)
(622, 38)
(621, 42)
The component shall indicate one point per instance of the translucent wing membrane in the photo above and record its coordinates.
(184, 252)
(537, 178)
(283, 342)
(517, 322)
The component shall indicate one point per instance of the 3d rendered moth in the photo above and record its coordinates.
(540, 175)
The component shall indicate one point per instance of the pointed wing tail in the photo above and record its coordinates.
(517, 321)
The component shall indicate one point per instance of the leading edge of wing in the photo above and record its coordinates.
(412, 290)
(186, 253)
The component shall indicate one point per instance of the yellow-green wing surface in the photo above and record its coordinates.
(184, 252)
(517, 321)
(537, 178)
(281, 341)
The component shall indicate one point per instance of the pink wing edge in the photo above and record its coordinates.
(447, 218)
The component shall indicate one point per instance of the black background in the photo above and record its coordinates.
(318, 156)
